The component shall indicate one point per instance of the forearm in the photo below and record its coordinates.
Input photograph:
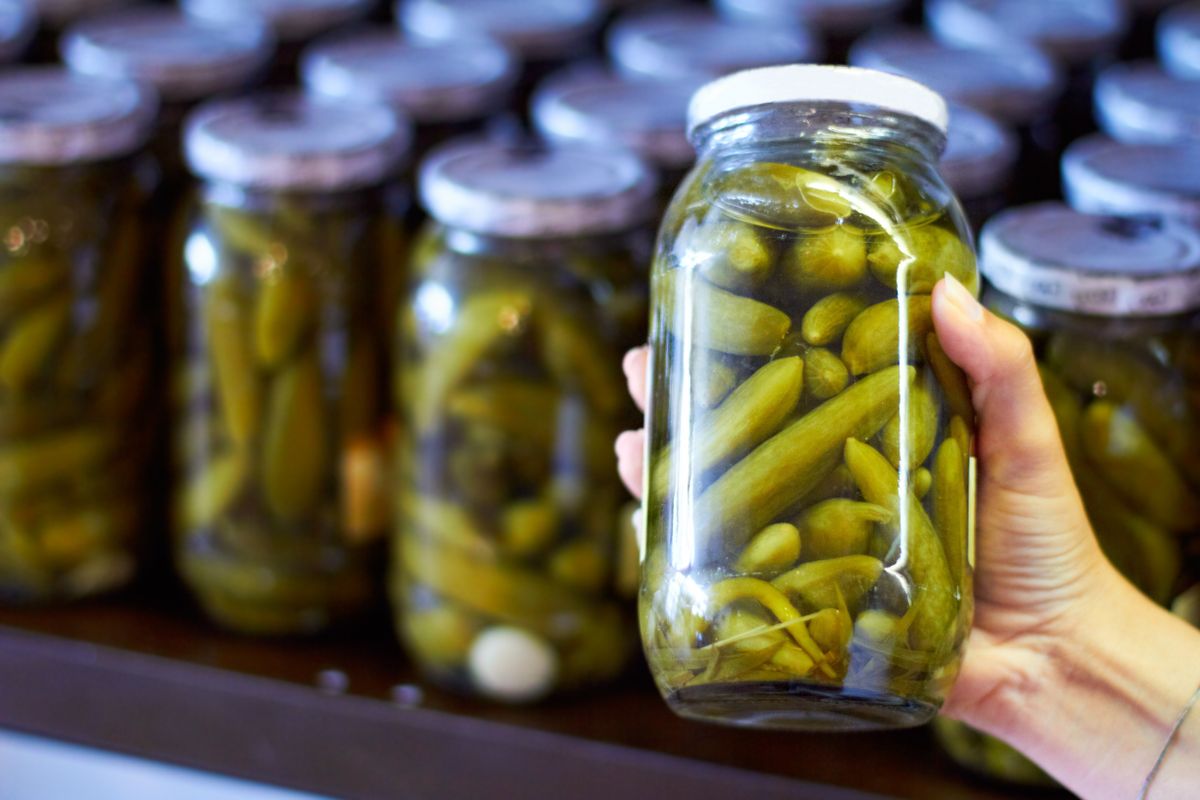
(1109, 694)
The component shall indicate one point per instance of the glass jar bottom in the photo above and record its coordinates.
(793, 705)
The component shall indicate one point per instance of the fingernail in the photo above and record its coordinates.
(963, 300)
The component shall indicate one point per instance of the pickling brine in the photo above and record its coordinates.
(810, 474)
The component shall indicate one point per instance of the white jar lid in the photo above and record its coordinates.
(536, 29)
(57, 14)
(49, 116)
(290, 20)
(433, 82)
(695, 43)
(831, 16)
(17, 25)
(1012, 81)
(594, 107)
(286, 141)
(1107, 177)
(804, 83)
(1179, 40)
(182, 57)
(1142, 103)
(1053, 256)
(1073, 31)
(980, 154)
(535, 192)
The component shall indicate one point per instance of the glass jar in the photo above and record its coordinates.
(53, 16)
(545, 34)
(1011, 81)
(1113, 308)
(186, 60)
(1101, 176)
(810, 445)
(1140, 103)
(294, 23)
(17, 26)
(1179, 40)
(528, 283)
(77, 418)
(694, 43)
(837, 21)
(978, 163)
(448, 88)
(648, 117)
(281, 438)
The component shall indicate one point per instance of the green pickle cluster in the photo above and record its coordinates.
(512, 395)
(77, 366)
(811, 446)
(281, 441)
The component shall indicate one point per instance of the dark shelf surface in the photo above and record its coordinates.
(346, 716)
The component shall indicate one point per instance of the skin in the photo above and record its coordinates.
(1067, 661)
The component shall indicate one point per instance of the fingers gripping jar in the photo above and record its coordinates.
(527, 285)
(809, 475)
(77, 365)
(280, 393)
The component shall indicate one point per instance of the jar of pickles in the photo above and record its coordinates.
(528, 283)
(17, 25)
(448, 88)
(810, 469)
(1101, 176)
(77, 424)
(281, 440)
(1113, 307)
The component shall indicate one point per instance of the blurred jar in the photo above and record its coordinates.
(280, 396)
(1081, 35)
(53, 16)
(545, 34)
(647, 117)
(978, 162)
(1011, 81)
(1179, 40)
(693, 43)
(448, 88)
(77, 421)
(529, 283)
(294, 23)
(1140, 103)
(837, 22)
(1101, 176)
(1113, 308)
(185, 59)
(17, 26)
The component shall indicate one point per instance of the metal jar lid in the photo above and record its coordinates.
(980, 154)
(1055, 257)
(648, 117)
(1012, 81)
(1073, 31)
(1179, 40)
(433, 82)
(536, 192)
(289, 20)
(1142, 103)
(694, 43)
(287, 141)
(182, 57)
(1108, 177)
(57, 14)
(535, 29)
(49, 116)
(842, 17)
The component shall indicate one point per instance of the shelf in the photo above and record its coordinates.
(346, 716)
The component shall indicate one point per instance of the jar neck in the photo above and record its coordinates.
(822, 125)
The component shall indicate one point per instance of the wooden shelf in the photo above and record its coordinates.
(346, 716)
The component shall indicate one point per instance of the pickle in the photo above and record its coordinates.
(581, 565)
(446, 523)
(872, 341)
(911, 444)
(578, 359)
(283, 315)
(922, 482)
(831, 260)
(734, 255)
(26, 281)
(914, 259)
(715, 380)
(720, 320)
(295, 449)
(732, 590)
(27, 351)
(782, 194)
(210, 493)
(523, 410)
(839, 527)
(952, 380)
(753, 635)
(950, 506)
(831, 582)
(792, 463)
(826, 321)
(442, 634)
(528, 527)
(824, 374)
(962, 434)
(227, 324)
(72, 539)
(771, 551)
(33, 465)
